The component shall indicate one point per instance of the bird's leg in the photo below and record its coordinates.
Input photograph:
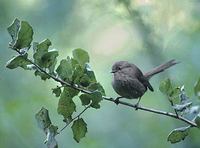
(117, 100)
(137, 104)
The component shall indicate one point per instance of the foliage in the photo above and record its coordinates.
(77, 80)
(74, 71)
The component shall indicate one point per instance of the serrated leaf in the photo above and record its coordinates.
(45, 124)
(165, 87)
(197, 88)
(178, 134)
(79, 129)
(18, 61)
(56, 91)
(95, 98)
(21, 33)
(66, 105)
(65, 70)
(97, 87)
(81, 56)
(197, 120)
(42, 75)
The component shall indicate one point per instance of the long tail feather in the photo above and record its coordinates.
(160, 68)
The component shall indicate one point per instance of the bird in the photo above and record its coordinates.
(129, 82)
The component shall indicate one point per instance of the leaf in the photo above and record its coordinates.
(39, 50)
(81, 56)
(65, 70)
(197, 120)
(48, 60)
(42, 75)
(13, 30)
(95, 87)
(18, 61)
(21, 33)
(50, 140)
(95, 99)
(197, 88)
(79, 129)
(66, 106)
(43, 119)
(50, 130)
(178, 134)
(56, 91)
(165, 87)
(90, 73)
(182, 107)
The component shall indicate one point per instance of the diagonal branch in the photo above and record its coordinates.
(169, 114)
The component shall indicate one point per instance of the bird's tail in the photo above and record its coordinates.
(160, 68)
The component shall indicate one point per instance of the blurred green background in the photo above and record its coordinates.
(144, 32)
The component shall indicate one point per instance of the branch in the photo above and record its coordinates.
(169, 114)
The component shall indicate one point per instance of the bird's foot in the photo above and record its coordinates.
(117, 100)
(136, 106)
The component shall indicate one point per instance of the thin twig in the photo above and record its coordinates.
(172, 104)
(74, 118)
(169, 114)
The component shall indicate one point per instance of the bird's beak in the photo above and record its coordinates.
(113, 71)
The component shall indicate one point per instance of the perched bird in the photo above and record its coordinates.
(129, 81)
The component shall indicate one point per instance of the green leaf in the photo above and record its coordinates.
(50, 130)
(56, 91)
(178, 134)
(21, 33)
(166, 87)
(42, 75)
(97, 87)
(95, 98)
(48, 60)
(81, 56)
(43, 119)
(197, 120)
(197, 88)
(90, 73)
(39, 50)
(65, 70)
(18, 61)
(13, 30)
(66, 106)
(79, 129)
(50, 140)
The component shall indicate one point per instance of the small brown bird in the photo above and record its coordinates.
(129, 81)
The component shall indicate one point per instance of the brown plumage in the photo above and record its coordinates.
(129, 81)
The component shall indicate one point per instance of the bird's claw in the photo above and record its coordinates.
(116, 101)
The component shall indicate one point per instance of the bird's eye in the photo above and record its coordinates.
(118, 68)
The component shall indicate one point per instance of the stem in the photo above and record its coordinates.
(169, 114)
(74, 119)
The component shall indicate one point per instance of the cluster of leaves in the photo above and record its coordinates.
(183, 107)
(74, 74)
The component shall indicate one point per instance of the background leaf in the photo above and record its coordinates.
(178, 134)
(197, 88)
